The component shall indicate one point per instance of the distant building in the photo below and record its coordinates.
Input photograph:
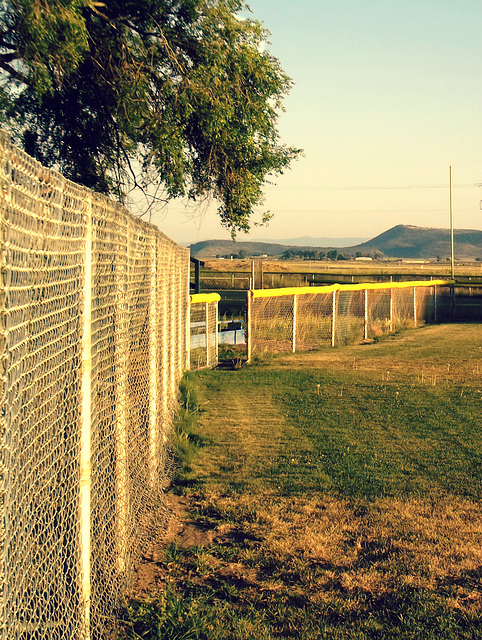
(364, 258)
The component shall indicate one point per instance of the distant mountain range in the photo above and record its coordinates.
(307, 241)
(402, 241)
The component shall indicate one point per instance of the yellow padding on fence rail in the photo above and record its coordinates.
(296, 291)
(205, 297)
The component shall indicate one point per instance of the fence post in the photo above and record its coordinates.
(333, 320)
(295, 308)
(216, 336)
(248, 328)
(187, 320)
(121, 360)
(391, 311)
(153, 364)
(206, 315)
(435, 303)
(85, 453)
(415, 306)
(365, 322)
(188, 335)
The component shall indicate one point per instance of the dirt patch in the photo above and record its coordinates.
(154, 572)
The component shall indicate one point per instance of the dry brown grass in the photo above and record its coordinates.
(264, 564)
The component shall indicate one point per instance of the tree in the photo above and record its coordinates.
(127, 94)
(332, 254)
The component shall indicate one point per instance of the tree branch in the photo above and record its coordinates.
(16, 75)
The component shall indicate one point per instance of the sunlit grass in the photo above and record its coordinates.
(337, 495)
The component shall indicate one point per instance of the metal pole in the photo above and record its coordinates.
(208, 363)
(216, 334)
(248, 328)
(121, 358)
(391, 311)
(415, 306)
(452, 252)
(85, 451)
(188, 320)
(365, 323)
(295, 307)
(333, 320)
(153, 365)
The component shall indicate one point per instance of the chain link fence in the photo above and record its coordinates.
(303, 318)
(204, 330)
(93, 313)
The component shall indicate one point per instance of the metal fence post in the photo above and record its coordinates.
(216, 335)
(85, 452)
(415, 306)
(206, 315)
(121, 360)
(188, 321)
(365, 321)
(391, 311)
(295, 308)
(333, 319)
(153, 365)
(248, 327)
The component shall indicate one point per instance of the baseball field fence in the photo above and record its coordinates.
(94, 308)
(304, 318)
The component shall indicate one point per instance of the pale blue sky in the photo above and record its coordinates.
(385, 91)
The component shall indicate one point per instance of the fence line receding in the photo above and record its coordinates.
(94, 307)
(204, 330)
(302, 318)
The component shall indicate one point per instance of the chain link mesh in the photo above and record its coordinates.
(204, 331)
(297, 319)
(138, 345)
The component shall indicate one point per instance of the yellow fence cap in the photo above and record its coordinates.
(297, 291)
(197, 298)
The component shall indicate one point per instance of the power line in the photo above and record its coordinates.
(369, 211)
(371, 188)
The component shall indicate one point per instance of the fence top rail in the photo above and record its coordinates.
(296, 291)
(197, 298)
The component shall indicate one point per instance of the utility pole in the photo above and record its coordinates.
(452, 254)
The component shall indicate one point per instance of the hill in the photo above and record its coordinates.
(405, 241)
(401, 241)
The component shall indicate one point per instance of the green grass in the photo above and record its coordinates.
(335, 495)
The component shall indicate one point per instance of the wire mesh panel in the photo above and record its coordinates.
(350, 314)
(294, 319)
(42, 228)
(379, 312)
(271, 324)
(404, 308)
(424, 305)
(204, 330)
(93, 308)
(314, 319)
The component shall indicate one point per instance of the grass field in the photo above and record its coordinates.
(334, 494)
(348, 267)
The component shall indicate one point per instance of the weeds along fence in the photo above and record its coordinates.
(298, 319)
(204, 330)
(94, 307)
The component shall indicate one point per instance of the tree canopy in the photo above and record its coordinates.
(134, 93)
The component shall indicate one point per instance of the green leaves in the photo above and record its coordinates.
(181, 89)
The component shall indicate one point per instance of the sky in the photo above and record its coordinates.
(386, 96)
